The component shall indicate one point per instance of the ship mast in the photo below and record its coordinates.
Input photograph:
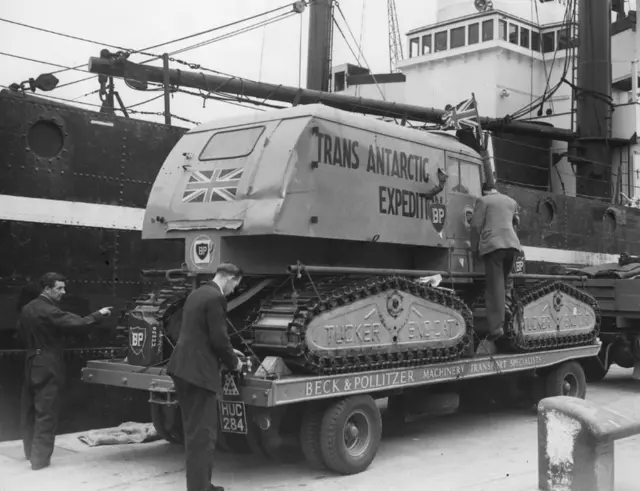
(591, 153)
(320, 45)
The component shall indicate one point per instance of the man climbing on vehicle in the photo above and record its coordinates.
(494, 239)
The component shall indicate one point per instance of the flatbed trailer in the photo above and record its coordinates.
(335, 417)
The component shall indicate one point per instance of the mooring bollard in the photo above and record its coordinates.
(575, 444)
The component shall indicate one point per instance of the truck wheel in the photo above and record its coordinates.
(350, 434)
(567, 379)
(310, 435)
(167, 420)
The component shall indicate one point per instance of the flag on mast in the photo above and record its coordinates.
(465, 116)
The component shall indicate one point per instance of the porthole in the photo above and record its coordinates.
(45, 139)
(547, 210)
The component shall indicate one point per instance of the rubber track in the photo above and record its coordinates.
(336, 292)
(516, 341)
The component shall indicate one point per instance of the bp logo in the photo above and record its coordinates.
(518, 264)
(438, 216)
(137, 337)
(202, 251)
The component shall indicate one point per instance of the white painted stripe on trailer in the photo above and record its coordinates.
(74, 213)
(563, 256)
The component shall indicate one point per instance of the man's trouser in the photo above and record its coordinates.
(199, 408)
(40, 406)
(497, 266)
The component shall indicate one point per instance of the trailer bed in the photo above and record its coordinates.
(262, 392)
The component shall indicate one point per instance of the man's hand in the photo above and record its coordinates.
(239, 365)
(106, 311)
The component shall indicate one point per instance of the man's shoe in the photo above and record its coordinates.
(215, 488)
(498, 333)
(36, 466)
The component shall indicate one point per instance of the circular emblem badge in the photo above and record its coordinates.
(394, 304)
(557, 301)
(202, 251)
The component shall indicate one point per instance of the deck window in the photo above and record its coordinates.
(487, 30)
(232, 144)
(563, 39)
(440, 41)
(548, 42)
(414, 47)
(513, 33)
(474, 33)
(457, 37)
(502, 29)
(426, 44)
(535, 41)
(524, 37)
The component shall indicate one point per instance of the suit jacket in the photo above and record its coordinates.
(492, 225)
(41, 325)
(203, 341)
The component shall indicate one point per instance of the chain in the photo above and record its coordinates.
(516, 338)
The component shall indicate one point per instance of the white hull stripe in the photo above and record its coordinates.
(75, 213)
(563, 256)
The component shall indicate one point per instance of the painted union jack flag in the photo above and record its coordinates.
(463, 116)
(206, 186)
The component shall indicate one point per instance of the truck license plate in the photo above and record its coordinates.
(233, 417)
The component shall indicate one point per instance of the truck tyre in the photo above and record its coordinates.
(167, 420)
(310, 435)
(350, 434)
(567, 379)
(595, 369)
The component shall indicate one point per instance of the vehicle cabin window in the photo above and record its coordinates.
(464, 177)
(471, 177)
(232, 144)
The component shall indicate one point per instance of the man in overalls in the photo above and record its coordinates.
(40, 325)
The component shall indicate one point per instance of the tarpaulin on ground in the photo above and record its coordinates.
(125, 433)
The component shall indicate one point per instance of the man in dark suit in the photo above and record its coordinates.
(494, 238)
(41, 326)
(194, 367)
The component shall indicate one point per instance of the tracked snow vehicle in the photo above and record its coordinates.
(322, 187)
(335, 218)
